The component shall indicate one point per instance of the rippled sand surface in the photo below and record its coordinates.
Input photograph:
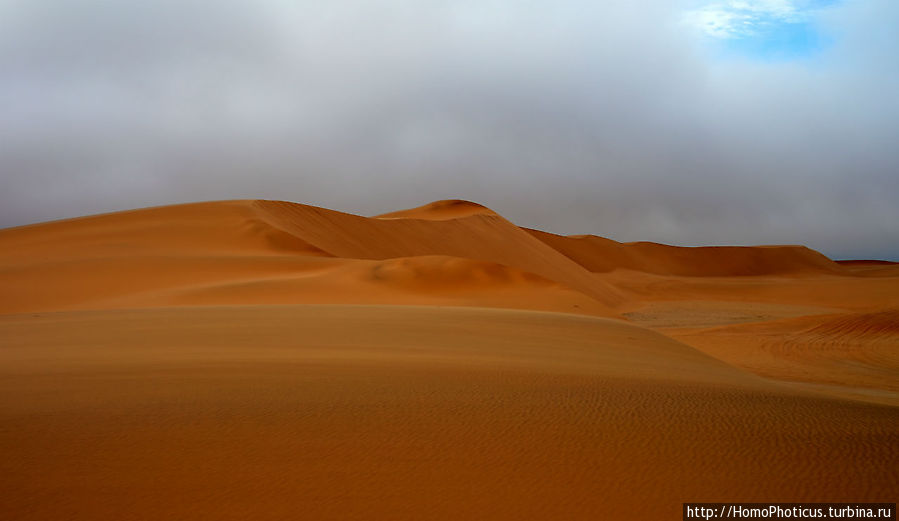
(339, 412)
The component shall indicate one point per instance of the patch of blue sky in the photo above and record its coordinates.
(769, 30)
(780, 41)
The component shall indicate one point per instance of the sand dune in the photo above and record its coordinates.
(136, 258)
(271, 360)
(440, 211)
(601, 255)
(825, 330)
(871, 268)
(486, 237)
(826, 292)
(335, 412)
(272, 252)
(856, 353)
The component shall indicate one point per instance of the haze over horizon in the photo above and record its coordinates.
(690, 123)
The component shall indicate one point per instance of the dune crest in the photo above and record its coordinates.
(601, 255)
(440, 211)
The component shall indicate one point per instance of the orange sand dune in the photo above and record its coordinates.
(272, 252)
(481, 236)
(601, 255)
(142, 257)
(336, 412)
(862, 262)
(826, 292)
(836, 332)
(203, 361)
(440, 211)
(871, 268)
(855, 352)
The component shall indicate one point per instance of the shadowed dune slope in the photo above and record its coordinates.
(601, 255)
(871, 268)
(234, 252)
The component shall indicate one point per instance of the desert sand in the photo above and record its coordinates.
(271, 360)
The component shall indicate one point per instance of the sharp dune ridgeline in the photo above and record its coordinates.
(271, 360)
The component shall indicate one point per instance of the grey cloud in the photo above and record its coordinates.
(573, 116)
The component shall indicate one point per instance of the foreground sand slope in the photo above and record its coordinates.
(337, 412)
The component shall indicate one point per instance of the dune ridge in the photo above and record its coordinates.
(440, 211)
(602, 255)
(126, 256)
(486, 237)
(134, 258)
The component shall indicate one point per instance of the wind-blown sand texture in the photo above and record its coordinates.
(269, 360)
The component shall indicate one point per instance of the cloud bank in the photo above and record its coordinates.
(609, 118)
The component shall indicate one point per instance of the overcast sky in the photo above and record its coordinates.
(684, 122)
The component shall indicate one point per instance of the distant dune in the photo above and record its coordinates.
(441, 211)
(854, 353)
(272, 360)
(602, 255)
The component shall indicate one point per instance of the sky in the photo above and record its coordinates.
(684, 122)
